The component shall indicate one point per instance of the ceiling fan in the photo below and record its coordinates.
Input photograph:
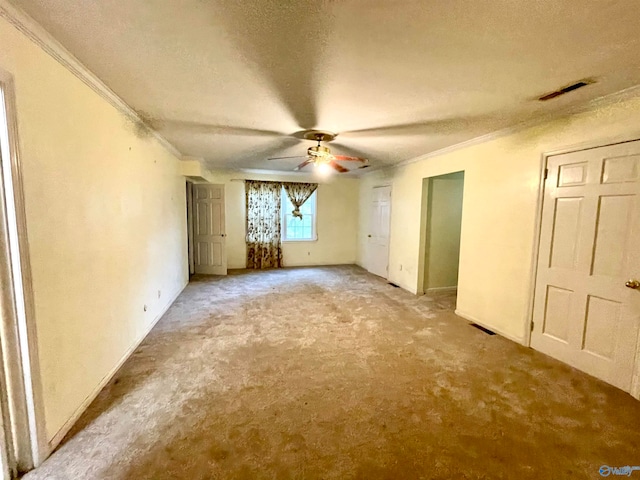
(321, 156)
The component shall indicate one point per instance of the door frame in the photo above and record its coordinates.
(544, 159)
(189, 193)
(26, 434)
(425, 221)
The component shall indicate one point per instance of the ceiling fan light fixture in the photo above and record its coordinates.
(320, 157)
(322, 168)
(319, 151)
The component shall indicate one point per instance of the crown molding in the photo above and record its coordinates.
(38, 35)
(622, 95)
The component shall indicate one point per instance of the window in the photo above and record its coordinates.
(296, 229)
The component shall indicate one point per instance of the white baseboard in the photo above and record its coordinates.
(453, 289)
(296, 265)
(312, 264)
(57, 438)
(502, 333)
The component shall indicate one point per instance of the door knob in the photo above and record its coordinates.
(369, 236)
(635, 284)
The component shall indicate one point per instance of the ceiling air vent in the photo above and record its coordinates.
(567, 89)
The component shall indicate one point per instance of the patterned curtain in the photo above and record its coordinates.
(299, 193)
(264, 246)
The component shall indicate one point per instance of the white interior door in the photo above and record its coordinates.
(379, 231)
(210, 255)
(584, 314)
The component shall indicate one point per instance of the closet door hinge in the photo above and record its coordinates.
(546, 173)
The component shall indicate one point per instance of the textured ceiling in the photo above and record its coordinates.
(232, 80)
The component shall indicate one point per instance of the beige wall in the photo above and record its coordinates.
(444, 217)
(502, 177)
(106, 223)
(337, 227)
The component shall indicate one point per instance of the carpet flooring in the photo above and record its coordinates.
(332, 373)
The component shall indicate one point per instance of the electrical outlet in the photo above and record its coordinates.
(400, 267)
(159, 293)
(144, 308)
(309, 253)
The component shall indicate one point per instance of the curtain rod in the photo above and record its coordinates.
(251, 180)
(264, 181)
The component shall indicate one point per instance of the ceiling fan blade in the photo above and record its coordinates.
(303, 164)
(345, 158)
(339, 168)
(212, 129)
(287, 158)
(417, 128)
(350, 151)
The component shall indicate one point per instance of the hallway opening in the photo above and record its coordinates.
(442, 213)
